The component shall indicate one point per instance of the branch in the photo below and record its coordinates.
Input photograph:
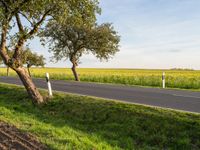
(19, 23)
(3, 52)
(26, 18)
(7, 8)
(5, 5)
(9, 15)
(22, 39)
(16, 9)
(35, 27)
(19, 6)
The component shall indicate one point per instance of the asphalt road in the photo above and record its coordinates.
(174, 99)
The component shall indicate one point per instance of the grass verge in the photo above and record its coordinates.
(80, 122)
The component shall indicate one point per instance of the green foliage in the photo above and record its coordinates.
(103, 41)
(28, 58)
(71, 41)
(36, 14)
(59, 10)
(80, 122)
(32, 59)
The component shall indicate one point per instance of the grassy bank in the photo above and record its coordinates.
(174, 78)
(78, 122)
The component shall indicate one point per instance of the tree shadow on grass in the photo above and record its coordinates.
(120, 125)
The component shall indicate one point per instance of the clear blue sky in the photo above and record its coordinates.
(154, 34)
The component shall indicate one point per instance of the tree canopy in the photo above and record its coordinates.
(71, 41)
(32, 58)
(30, 17)
(28, 58)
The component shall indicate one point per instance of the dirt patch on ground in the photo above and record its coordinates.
(13, 139)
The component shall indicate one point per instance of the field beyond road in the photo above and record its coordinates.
(174, 78)
(80, 122)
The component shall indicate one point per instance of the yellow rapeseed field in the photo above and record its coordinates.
(174, 78)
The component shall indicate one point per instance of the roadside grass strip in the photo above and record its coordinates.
(80, 122)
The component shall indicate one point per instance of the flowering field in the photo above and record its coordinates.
(174, 78)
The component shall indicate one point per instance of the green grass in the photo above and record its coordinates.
(79, 122)
(184, 79)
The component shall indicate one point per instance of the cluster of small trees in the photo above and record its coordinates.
(28, 59)
(68, 27)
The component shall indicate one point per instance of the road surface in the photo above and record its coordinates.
(174, 99)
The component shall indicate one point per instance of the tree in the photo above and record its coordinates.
(32, 59)
(1, 60)
(28, 58)
(30, 16)
(71, 41)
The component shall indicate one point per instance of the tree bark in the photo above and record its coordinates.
(29, 71)
(29, 85)
(8, 68)
(14, 62)
(75, 73)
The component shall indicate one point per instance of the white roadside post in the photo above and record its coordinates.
(163, 80)
(49, 85)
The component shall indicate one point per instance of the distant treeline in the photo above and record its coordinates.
(183, 69)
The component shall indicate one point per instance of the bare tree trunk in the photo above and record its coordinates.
(29, 85)
(75, 73)
(29, 71)
(8, 68)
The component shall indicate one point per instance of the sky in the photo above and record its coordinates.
(155, 34)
